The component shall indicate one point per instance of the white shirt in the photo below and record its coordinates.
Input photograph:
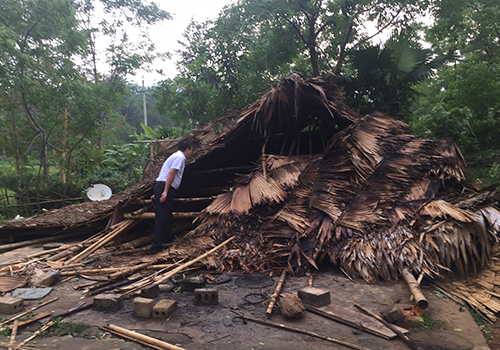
(175, 161)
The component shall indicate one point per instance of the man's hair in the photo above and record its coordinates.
(184, 144)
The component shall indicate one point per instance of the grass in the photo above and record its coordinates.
(63, 328)
(429, 322)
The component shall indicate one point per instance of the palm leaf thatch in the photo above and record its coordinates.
(376, 201)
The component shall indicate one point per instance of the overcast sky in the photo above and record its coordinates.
(166, 34)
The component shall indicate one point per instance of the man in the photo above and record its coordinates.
(165, 189)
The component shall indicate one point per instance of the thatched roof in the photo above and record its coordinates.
(298, 177)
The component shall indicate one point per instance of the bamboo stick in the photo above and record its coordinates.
(150, 216)
(65, 253)
(297, 330)
(137, 336)
(125, 272)
(120, 229)
(35, 241)
(415, 289)
(44, 328)
(43, 252)
(31, 320)
(276, 293)
(104, 328)
(14, 333)
(27, 311)
(160, 278)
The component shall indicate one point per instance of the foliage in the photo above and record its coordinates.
(384, 77)
(463, 102)
(63, 328)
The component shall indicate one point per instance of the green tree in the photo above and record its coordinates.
(467, 93)
(385, 76)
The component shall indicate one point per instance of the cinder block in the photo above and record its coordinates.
(10, 305)
(314, 296)
(143, 307)
(164, 309)
(48, 279)
(108, 301)
(150, 291)
(205, 296)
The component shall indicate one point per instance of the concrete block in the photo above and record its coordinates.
(206, 296)
(48, 279)
(166, 288)
(108, 301)
(10, 305)
(314, 296)
(164, 309)
(150, 291)
(143, 307)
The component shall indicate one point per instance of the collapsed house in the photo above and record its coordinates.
(299, 178)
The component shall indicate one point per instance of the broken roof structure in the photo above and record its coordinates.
(299, 178)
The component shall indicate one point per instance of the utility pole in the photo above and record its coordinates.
(144, 103)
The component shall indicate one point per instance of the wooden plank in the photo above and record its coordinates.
(355, 319)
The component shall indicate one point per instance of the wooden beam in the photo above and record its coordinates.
(151, 216)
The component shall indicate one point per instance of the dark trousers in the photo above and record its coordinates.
(162, 232)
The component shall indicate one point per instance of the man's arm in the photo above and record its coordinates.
(168, 183)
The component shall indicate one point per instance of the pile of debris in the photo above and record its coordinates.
(300, 177)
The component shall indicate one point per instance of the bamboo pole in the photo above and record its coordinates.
(150, 216)
(125, 272)
(415, 289)
(34, 241)
(28, 321)
(160, 278)
(123, 226)
(43, 252)
(138, 336)
(27, 311)
(297, 330)
(14, 333)
(44, 328)
(276, 293)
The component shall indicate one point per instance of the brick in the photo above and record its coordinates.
(164, 309)
(150, 291)
(314, 296)
(143, 307)
(206, 296)
(108, 301)
(10, 305)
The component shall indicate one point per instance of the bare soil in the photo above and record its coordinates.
(217, 327)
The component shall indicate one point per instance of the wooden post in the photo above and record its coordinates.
(415, 289)
(276, 293)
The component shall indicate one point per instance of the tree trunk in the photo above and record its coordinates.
(62, 165)
(340, 62)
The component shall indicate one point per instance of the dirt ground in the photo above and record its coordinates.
(217, 328)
